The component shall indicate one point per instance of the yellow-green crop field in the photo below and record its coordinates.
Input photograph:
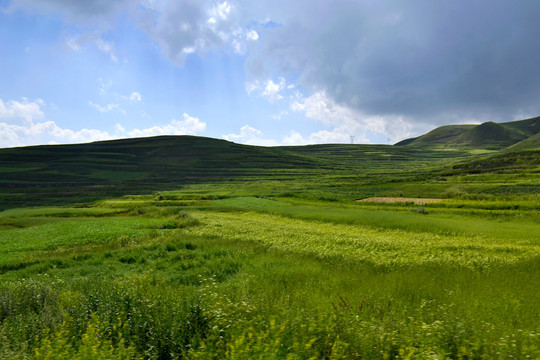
(203, 273)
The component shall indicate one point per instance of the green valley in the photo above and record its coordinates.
(197, 248)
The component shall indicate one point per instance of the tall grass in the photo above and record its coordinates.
(253, 278)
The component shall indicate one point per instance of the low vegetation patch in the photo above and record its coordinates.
(392, 200)
(246, 277)
(272, 257)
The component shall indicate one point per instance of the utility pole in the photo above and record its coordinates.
(352, 139)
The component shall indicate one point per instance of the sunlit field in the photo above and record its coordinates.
(269, 180)
(225, 273)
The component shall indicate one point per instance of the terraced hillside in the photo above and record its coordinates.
(56, 174)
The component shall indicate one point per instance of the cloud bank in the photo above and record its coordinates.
(387, 66)
(23, 123)
(423, 60)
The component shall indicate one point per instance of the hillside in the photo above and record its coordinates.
(532, 143)
(60, 174)
(528, 126)
(109, 168)
(56, 174)
(488, 135)
(439, 136)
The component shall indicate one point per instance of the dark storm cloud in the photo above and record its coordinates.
(80, 11)
(438, 60)
(425, 60)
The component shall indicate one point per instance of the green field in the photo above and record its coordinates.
(265, 253)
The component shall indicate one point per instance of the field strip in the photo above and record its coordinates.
(391, 200)
(357, 243)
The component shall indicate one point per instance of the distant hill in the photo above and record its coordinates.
(439, 136)
(529, 127)
(488, 135)
(57, 174)
(77, 173)
(532, 143)
(161, 158)
(85, 172)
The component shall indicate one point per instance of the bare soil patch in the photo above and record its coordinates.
(390, 200)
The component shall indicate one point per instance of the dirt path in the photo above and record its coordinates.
(417, 201)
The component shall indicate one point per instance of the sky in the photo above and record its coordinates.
(263, 72)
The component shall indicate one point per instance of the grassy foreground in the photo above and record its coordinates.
(250, 272)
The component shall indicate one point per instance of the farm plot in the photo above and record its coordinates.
(244, 278)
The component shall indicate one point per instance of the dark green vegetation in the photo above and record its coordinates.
(487, 135)
(225, 251)
(66, 174)
(47, 175)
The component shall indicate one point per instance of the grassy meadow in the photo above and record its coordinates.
(282, 263)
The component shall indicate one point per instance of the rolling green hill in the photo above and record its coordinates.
(109, 168)
(529, 127)
(56, 174)
(488, 135)
(61, 174)
(532, 143)
(227, 251)
(440, 136)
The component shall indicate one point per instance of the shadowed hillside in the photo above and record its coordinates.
(110, 168)
(82, 172)
(60, 174)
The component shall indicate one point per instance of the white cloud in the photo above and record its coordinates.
(45, 132)
(246, 131)
(135, 96)
(241, 39)
(389, 58)
(320, 107)
(83, 135)
(294, 138)
(107, 108)
(250, 135)
(220, 12)
(272, 89)
(24, 110)
(269, 89)
(337, 135)
(346, 121)
(252, 35)
(18, 126)
(188, 126)
(185, 27)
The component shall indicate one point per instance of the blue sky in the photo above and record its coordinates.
(264, 73)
